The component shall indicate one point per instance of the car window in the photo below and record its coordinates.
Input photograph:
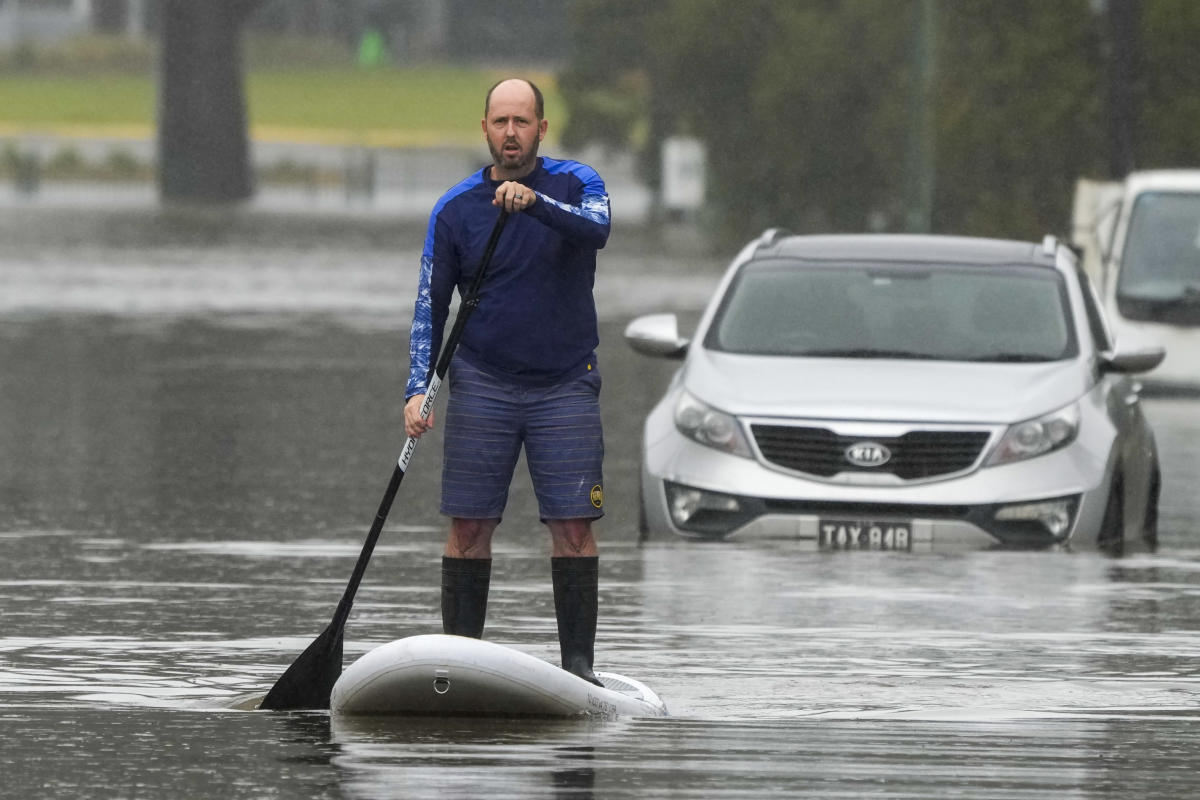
(1159, 277)
(786, 307)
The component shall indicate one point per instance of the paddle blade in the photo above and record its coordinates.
(308, 682)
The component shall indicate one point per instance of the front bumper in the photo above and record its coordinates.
(1016, 505)
(701, 514)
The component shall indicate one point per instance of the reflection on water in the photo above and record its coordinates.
(182, 498)
(430, 757)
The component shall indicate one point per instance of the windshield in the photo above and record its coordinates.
(1160, 268)
(845, 310)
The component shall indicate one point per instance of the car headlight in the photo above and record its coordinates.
(1035, 437)
(702, 423)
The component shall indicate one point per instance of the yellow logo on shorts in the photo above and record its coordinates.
(597, 496)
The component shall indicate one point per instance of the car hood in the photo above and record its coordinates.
(883, 389)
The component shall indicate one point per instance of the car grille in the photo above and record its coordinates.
(915, 455)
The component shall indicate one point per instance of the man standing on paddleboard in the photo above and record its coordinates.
(524, 373)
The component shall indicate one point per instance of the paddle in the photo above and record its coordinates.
(308, 682)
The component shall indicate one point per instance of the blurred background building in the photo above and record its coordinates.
(466, 31)
(39, 21)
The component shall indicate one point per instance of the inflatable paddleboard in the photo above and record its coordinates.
(438, 674)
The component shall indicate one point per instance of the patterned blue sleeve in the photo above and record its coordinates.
(440, 269)
(587, 221)
(420, 340)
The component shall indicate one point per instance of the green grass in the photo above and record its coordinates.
(394, 107)
(45, 100)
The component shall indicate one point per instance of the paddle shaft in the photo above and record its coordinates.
(307, 683)
(469, 302)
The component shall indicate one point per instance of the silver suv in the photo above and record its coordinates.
(900, 393)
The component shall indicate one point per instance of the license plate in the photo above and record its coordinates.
(857, 534)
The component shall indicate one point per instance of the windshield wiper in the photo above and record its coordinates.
(862, 352)
(1013, 358)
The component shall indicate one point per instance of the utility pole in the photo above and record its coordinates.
(920, 163)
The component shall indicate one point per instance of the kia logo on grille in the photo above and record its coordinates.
(867, 454)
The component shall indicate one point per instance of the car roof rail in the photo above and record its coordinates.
(771, 236)
(1050, 244)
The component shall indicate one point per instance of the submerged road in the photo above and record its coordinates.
(198, 417)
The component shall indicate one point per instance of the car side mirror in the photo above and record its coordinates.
(656, 335)
(1132, 361)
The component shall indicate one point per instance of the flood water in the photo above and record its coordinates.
(197, 421)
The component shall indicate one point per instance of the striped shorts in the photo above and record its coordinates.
(489, 419)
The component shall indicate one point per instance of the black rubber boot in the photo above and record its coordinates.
(465, 584)
(575, 584)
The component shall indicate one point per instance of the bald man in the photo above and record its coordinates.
(524, 374)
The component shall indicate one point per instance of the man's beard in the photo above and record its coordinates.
(517, 162)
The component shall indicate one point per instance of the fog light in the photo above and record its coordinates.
(688, 502)
(702, 511)
(1053, 515)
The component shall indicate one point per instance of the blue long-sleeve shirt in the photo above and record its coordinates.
(536, 318)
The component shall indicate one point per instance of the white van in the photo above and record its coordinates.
(1141, 245)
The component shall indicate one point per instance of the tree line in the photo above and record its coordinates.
(822, 115)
